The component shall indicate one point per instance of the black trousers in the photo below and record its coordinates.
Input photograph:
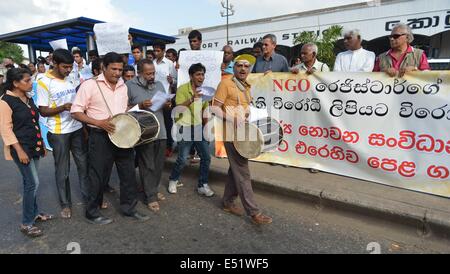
(102, 155)
(169, 124)
(62, 145)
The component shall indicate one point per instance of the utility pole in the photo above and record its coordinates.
(229, 11)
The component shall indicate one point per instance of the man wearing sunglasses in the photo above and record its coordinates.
(402, 57)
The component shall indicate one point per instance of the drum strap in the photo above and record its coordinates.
(242, 88)
(104, 99)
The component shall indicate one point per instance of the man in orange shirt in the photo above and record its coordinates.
(232, 103)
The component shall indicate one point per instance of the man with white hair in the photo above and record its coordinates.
(402, 57)
(355, 59)
(309, 63)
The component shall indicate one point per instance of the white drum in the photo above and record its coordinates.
(134, 129)
(262, 136)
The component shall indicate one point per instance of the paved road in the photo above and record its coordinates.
(192, 224)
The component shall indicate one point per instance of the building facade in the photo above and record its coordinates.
(429, 20)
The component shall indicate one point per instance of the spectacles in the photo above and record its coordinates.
(396, 36)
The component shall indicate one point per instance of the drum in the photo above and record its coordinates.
(134, 129)
(262, 136)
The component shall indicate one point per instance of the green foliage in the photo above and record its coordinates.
(326, 43)
(11, 50)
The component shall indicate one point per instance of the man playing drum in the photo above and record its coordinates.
(97, 101)
(150, 156)
(231, 103)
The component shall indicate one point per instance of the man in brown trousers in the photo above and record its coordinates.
(231, 103)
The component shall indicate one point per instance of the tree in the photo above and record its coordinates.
(11, 50)
(326, 43)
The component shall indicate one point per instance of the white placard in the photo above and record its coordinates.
(59, 44)
(212, 60)
(112, 37)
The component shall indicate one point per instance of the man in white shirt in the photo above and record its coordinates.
(167, 75)
(355, 59)
(56, 92)
(165, 69)
(81, 71)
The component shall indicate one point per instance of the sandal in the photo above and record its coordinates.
(31, 231)
(161, 197)
(42, 217)
(66, 213)
(105, 205)
(154, 207)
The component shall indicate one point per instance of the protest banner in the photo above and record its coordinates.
(363, 125)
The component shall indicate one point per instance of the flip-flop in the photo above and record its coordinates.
(31, 231)
(66, 213)
(105, 205)
(42, 217)
(154, 207)
(161, 197)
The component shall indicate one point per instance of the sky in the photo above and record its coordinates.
(165, 17)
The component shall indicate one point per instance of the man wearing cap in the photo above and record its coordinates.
(231, 104)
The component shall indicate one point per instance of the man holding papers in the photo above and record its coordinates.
(232, 104)
(150, 96)
(190, 124)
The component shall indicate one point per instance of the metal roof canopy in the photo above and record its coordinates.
(77, 32)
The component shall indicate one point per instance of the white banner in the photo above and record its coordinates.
(112, 37)
(212, 60)
(363, 125)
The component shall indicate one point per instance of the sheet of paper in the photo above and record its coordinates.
(207, 93)
(112, 37)
(86, 73)
(212, 60)
(59, 44)
(257, 114)
(159, 99)
(136, 109)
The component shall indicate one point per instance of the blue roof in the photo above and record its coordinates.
(76, 32)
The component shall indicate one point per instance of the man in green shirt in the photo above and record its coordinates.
(189, 125)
